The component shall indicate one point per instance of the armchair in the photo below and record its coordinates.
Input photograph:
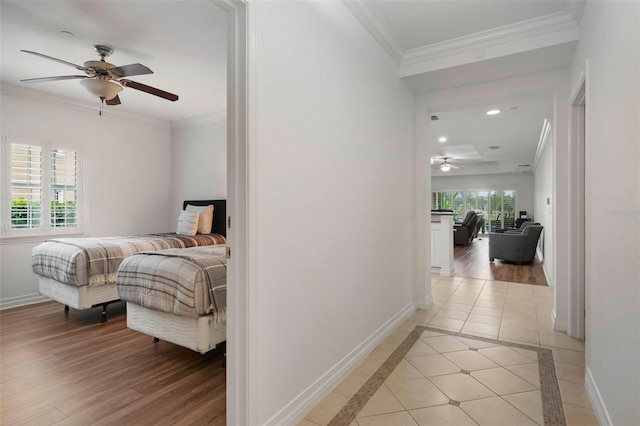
(465, 231)
(515, 247)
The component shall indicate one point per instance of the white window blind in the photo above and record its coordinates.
(26, 186)
(40, 188)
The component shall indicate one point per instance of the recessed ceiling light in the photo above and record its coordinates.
(442, 139)
(493, 112)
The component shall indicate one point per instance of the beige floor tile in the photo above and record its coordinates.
(462, 307)
(530, 403)
(502, 381)
(428, 333)
(497, 298)
(396, 419)
(519, 324)
(574, 393)
(420, 348)
(482, 330)
(470, 360)
(561, 340)
(370, 365)
(529, 372)
(531, 354)
(569, 373)
(446, 324)
(484, 319)
(441, 415)
(445, 344)
(327, 409)
(433, 365)
(306, 422)
(513, 335)
(504, 356)
(477, 344)
(472, 281)
(567, 356)
(495, 411)
(579, 416)
(417, 393)
(351, 385)
(511, 312)
(448, 313)
(404, 371)
(408, 326)
(420, 315)
(491, 304)
(381, 402)
(492, 312)
(397, 337)
(384, 350)
(461, 387)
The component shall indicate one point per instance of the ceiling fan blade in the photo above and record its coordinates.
(78, 67)
(43, 79)
(150, 90)
(132, 69)
(114, 101)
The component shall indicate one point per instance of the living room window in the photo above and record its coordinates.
(498, 207)
(40, 190)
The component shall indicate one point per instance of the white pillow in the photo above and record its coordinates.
(206, 217)
(187, 223)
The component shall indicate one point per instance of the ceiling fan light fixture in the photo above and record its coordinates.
(445, 167)
(103, 89)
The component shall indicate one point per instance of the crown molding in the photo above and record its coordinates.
(575, 8)
(38, 96)
(536, 27)
(200, 120)
(371, 21)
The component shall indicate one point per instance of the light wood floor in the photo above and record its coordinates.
(472, 261)
(62, 369)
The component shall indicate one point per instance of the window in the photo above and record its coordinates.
(498, 207)
(40, 188)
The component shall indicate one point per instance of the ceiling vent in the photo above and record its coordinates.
(434, 118)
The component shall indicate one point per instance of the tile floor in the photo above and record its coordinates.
(447, 380)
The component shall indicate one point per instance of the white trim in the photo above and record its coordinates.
(428, 300)
(536, 27)
(24, 300)
(575, 9)
(200, 120)
(557, 325)
(542, 142)
(599, 408)
(295, 411)
(371, 21)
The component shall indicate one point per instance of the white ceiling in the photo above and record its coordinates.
(183, 42)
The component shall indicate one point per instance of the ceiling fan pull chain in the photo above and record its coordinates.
(101, 106)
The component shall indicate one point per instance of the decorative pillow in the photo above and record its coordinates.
(187, 223)
(206, 217)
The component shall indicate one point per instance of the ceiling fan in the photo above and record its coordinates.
(103, 79)
(445, 166)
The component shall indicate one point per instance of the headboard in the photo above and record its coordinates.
(219, 214)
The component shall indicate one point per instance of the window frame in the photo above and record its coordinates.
(46, 229)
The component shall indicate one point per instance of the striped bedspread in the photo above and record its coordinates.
(95, 261)
(187, 282)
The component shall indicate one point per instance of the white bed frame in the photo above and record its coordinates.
(79, 297)
(198, 334)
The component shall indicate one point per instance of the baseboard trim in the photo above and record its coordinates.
(426, 304)
(599, 408)
(557, 325)
(27, 299)
(295, 411)
(547, 276)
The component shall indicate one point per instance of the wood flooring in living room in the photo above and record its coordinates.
(472, 261)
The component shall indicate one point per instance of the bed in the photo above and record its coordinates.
(177, 295)
(81, 272)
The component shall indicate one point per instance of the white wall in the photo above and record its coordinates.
(543, 207)
(335, 137)
(198, 163)
(610, 40)
(126, 177)
(521, 182)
